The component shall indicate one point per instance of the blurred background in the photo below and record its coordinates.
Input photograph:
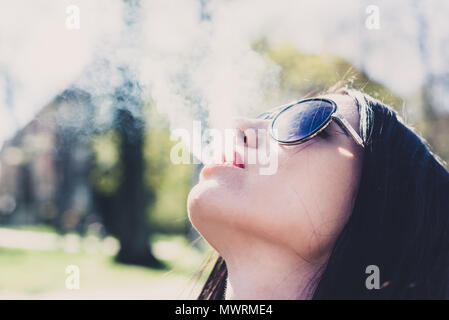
(91, 90)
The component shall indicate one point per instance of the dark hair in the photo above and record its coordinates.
(400, 220)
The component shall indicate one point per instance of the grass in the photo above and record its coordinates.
(37, 228)
(37, 274)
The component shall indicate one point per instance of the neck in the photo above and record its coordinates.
(269, 273)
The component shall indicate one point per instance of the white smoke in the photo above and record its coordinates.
(195, 56)
(40, 57)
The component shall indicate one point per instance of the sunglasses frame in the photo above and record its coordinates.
(340, 119)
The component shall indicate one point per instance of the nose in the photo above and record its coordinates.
(250, 131)
(247, 123)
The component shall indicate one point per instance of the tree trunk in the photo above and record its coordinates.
(124, 212)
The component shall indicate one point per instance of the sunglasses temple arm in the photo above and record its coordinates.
(345, 124)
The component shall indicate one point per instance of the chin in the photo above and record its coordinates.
(210, 203)
(203, 205)
(202, 201)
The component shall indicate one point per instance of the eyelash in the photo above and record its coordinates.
(324, 134)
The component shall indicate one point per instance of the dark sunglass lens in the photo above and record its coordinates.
(301, 120)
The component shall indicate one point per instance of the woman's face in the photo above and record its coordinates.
(302, 207)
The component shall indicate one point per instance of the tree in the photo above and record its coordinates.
(123, 210)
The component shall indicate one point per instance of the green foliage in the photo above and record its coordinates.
(105, 174)
(306, 74)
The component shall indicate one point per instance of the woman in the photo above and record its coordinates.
(347, 215)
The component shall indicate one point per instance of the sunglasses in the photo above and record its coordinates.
(298, 122)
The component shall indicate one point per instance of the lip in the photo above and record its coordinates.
(236, 164)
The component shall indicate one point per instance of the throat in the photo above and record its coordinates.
(277, 275)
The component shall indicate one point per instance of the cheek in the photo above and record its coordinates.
(306, 204)
(325, 188)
